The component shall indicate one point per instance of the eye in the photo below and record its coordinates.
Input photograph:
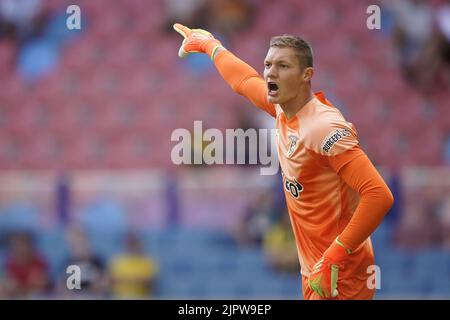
(284, 66)
(267, 64)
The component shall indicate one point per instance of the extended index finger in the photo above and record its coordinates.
(183, 30)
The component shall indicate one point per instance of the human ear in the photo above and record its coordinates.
(308, 74)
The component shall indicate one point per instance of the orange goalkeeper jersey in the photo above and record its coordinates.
(319, 202)
(312, 147)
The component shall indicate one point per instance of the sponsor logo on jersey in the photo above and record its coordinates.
(334, 137)
(292, 186)
(292, 146)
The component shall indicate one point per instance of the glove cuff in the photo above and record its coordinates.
(214, 52)
(337, 253)
(211, 46)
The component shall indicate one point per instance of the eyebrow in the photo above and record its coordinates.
(276, 61)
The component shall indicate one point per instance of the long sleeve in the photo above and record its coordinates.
(244, 80)
(375, 197)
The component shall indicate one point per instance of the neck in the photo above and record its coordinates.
(291, 107)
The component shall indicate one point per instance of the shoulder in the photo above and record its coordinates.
(327, 132)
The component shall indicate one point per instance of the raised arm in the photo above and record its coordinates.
(242, 78)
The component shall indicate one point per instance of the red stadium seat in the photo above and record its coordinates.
(108, 94)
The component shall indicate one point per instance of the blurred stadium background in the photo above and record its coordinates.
(85, 123)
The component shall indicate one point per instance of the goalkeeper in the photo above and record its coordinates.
(334, 194)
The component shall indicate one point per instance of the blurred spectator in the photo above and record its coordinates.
(412, 32)
(63, 198)
(246, 121)
(27, 274)
(446, 149)
(225, 17)
(422, 38)
(20, 19)
(420, 222)
(172, 200)
(3, 294)
(181, 11)
(443, 43)
(280, 248)
(432, 71)
(133, 273)
(256, 222)
(38, 58)
(445, 221)
(433, 205)
(395, 184)
(94, 278)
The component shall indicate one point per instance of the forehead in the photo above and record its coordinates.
(281, 54)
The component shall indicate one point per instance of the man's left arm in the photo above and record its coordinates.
(376, 198)
(357, 171)
(334, 144)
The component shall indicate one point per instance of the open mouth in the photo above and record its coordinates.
(272, 88)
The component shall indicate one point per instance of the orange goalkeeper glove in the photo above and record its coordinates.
(196, 40)
(324, 276)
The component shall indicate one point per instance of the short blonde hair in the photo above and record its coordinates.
(301, 47)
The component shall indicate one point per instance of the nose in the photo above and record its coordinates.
(271, 72)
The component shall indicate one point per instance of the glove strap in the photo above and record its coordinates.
(342, 245)
(213, 52)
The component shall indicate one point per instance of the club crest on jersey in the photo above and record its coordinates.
(292, 146)
(293, 187)
(331, 139)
